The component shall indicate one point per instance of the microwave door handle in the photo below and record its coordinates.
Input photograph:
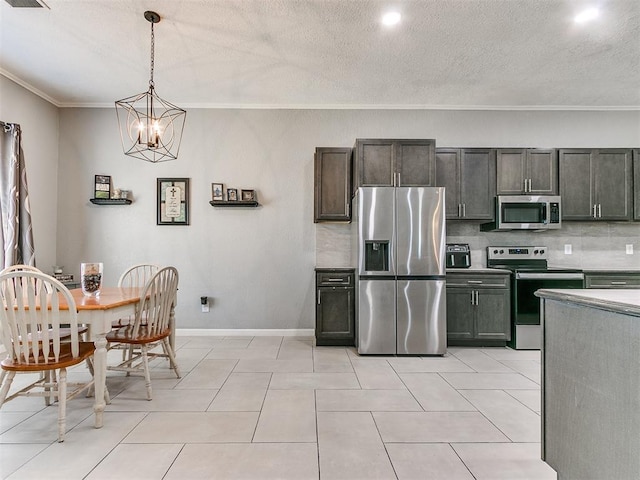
(544, 212)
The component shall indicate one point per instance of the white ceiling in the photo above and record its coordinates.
(329, 53)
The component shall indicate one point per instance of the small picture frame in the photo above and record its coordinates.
(232, 194)
(173, 201)
(217, 191)
(102, 186)
(248, 195)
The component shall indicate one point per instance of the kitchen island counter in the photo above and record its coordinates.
(591, 383)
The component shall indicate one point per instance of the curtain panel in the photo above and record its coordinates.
(15, 210)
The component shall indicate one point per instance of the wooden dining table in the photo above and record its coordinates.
(99, 313)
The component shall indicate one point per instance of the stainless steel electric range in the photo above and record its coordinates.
(529, 272)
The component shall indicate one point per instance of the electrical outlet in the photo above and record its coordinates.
(629, 249)
(567, 249)
(205, 308)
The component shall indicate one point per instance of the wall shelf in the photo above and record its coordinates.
(110, 201)
(238, 203)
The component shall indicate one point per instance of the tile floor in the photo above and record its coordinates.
(280, 408)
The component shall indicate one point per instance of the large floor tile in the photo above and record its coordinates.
(529, 368)
(377, 375)
(447, 363)
(366, 401)
(436, 427)
(233, 342)
(163, 401)
(8, 420)
(331, 359)
(189, 427)
(530, 398)
(480, 361)
(434, 394)
(14, 456)
(264, 461)
(268, 352)
(279, 366)
(516, 421)
(242, 392)
(265, 342)
(208, 374)
(189, 358)
(283, 381)
(142, 462)
(350, 447)
(505, 461)
(83, 448)
(489, 381)
(287, 416)
(427, 461)
(500, 353)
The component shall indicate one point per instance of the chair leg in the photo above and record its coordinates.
(172, 357)
(62, 403)
(147, 373)
(7, 379)
(49, 395)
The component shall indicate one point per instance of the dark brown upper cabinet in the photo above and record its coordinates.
(332, 185)
(384, 162)
(596, 184)
(469, 178)
(527, 171)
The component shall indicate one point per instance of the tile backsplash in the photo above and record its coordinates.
(594, 245)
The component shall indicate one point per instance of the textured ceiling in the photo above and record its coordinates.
(329, 53)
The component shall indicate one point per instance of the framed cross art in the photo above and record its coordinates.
(173, 201)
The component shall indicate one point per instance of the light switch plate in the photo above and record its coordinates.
(629, 249)
(567, 249)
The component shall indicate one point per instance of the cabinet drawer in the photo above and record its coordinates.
(334, 279)
(612, 281)
(478, 281)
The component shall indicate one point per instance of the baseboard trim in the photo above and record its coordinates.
(246, 332)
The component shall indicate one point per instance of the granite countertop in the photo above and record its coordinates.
(626, 302)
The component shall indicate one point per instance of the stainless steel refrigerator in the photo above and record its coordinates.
(399, 244)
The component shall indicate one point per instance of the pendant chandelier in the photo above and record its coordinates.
(150, 127)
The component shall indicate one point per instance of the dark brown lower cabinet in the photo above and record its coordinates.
(335, 306)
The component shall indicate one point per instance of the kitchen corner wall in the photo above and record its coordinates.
(255, 264)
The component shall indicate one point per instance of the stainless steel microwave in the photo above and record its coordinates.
(527, 212)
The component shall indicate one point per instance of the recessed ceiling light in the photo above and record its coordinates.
(391, 18)
(587, 15)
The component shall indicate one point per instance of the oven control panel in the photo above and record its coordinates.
(516, 253)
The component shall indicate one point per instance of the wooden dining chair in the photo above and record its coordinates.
(33, 307)
(135, 276)
(151, 326)
(64, 331)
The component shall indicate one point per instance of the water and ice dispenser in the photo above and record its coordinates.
(376, 256)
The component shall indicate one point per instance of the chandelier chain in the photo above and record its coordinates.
(153, 45)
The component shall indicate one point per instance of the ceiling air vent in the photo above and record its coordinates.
(27, 3)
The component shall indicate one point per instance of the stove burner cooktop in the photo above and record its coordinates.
(523, 259)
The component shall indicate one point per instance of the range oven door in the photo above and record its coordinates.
(525, 322)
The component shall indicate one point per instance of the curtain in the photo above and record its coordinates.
(15, 211)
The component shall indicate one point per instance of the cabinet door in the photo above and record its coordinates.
(332, 184)
(448, 176)
(460, 312)
(612, 178)
(636, 184)
(335, 318)
(374, 163)
(477, 184)
(415, 162)
(575, 184)
(542, 171)
(493, 320)
(510, 171)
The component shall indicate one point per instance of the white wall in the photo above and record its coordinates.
(258, 264)
(38, 120)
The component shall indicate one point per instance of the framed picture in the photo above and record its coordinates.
(173, 201)
(232, 194)
(248, 195)
(217, 190)
(102, 186)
